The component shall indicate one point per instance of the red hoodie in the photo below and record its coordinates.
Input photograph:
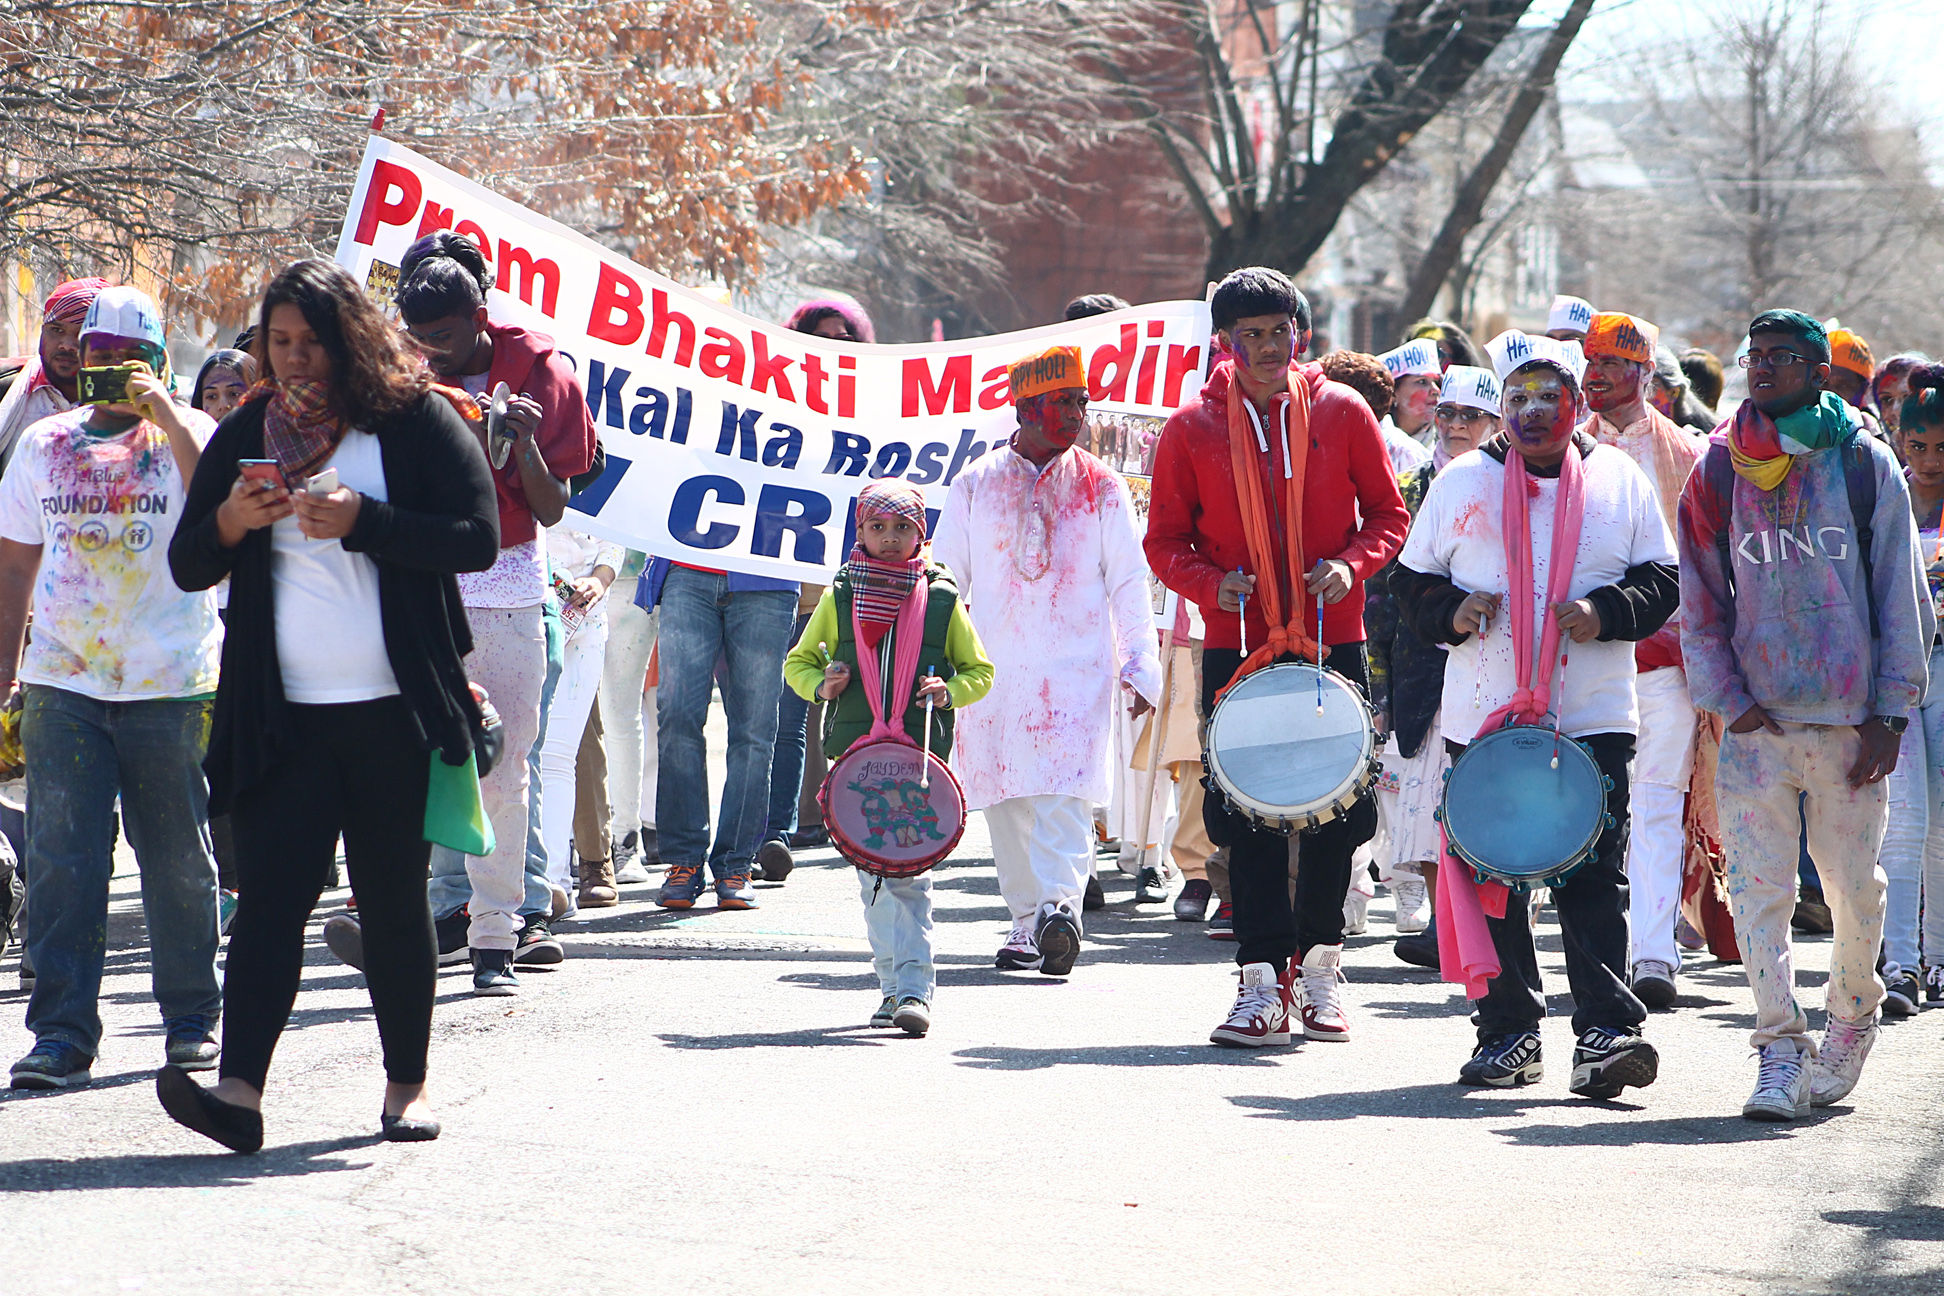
(1195, 536)
(528, 363)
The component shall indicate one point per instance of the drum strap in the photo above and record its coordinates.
(1246, 442)
(1532, 698)
(907, 641)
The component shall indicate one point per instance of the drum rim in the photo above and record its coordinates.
(862, 857)
(1345, 794)
(1525, 880)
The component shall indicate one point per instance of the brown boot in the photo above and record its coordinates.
(597, 885)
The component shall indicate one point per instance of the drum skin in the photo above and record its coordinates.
(1277, 760)
(1514, 818)
(878, 816)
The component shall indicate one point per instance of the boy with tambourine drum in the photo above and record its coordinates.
(893, 806)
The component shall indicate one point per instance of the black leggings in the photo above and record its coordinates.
(354, 768)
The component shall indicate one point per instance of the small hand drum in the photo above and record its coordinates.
(881, 815)
(1278, 761)
(1514, 818)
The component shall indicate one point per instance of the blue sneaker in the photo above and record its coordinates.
(683, 884)
(192, 1044)
(53, 1065)
(225, 911)
(734, 892)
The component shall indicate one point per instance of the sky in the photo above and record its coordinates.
(1886, 27)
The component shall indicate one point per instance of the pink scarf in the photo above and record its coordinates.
(1465, 952)
(904, 665)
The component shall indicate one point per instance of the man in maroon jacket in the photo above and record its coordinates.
(1198, 543)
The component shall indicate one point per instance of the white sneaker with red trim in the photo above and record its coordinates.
(1260, 1016)
(1321, 979)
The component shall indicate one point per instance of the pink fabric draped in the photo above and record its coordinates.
(1465, 952)
(904, 666)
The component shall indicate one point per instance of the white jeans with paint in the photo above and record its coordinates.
(573, 700)
(1758, 781)
(1657, 845)
(1043, 849)
(627, 713)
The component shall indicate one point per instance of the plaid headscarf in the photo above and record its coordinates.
(879, 589)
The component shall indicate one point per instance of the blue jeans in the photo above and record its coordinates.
(899, 920)
(81, 752)
(450, 889)
(786, 769)
(701, 622)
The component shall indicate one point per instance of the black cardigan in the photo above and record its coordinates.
(441, 517)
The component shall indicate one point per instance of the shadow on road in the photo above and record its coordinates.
(1425, 1102)
(195, 1170)
(996, 1058)
(848, 1034)
(1681, 1132)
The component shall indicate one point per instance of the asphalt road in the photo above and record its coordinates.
(693, 1104)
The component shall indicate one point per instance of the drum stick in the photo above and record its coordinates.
(1319, 654)
(1562, 700)
(1242, 615)
(924, 780)
(1478, 673)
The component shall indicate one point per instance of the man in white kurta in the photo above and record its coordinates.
(46, 386)
(1619, 352)
(1042, 538)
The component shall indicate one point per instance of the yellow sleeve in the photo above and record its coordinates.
(803, 669)
(967, 655)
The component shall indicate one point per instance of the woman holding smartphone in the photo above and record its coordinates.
(343, 672)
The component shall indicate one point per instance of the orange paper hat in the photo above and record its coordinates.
(1849, 351)
(1054, 369)
(1625, 336)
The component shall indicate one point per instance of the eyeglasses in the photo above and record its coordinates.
(1462, 414)
(1771, 360)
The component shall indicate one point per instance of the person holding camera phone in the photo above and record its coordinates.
(115, 689)
(343, 679)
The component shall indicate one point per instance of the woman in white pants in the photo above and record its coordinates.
(628, 719)
(589, 566)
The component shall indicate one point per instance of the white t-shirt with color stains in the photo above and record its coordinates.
(109, 621)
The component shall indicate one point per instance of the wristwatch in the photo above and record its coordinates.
(1895, 724)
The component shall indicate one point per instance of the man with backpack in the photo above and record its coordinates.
(1807, 628)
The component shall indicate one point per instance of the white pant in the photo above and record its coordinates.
(1657, 845)
(628, 713)
(1760, 780)
(1042, 847)
(573, 699)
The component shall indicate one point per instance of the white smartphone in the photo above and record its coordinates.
(323, 483)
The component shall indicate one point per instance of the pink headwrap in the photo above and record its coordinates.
(68, 304)
(853, 314)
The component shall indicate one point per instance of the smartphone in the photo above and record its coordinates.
(107, 384)
(323, 483)
(265, 471)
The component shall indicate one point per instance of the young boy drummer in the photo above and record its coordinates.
(1521, 502)
(863, 604)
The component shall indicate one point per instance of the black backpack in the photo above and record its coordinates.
(1859, 475)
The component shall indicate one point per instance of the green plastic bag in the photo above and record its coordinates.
(454, 814)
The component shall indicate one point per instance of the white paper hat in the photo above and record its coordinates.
(1512, 348)
(1574, 313)
(1470, 385)
(1418, 357)
(126, 313)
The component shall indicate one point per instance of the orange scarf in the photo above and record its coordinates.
(1292, 412)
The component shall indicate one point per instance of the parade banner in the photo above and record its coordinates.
(735, 443)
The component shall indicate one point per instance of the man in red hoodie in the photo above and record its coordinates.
(1256, 412)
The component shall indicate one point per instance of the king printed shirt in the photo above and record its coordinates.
(109, 621)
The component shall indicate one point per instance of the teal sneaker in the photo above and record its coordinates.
(885, 1012)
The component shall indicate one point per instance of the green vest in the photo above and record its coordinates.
(849, 717)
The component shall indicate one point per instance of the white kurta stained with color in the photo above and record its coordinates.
(1049, 565)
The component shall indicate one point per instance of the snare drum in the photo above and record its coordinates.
(1278, 761)
(880, 815)
(1514, 818)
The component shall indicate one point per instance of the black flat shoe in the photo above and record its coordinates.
(237, 1128)
(407, 1129)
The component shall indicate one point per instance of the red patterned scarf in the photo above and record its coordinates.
(299, 430)
(879, 589)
